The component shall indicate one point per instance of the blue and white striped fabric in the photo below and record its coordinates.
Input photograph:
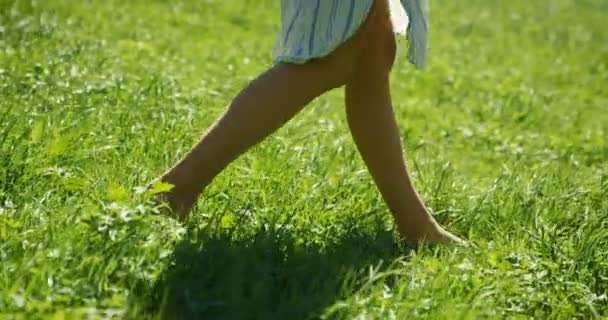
(315, 28)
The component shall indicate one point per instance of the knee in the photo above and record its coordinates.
(389, 52)
(379, 57)
(381, 38)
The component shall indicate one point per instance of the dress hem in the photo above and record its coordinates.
(292, 59)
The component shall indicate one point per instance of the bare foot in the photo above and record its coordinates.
(179, 200)
(438, 235)
(427, 231)
(434, 235)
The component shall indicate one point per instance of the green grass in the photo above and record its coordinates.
(505, 133)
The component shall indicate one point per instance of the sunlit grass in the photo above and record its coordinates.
(505, 133)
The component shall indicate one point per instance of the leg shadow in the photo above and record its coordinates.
(267, 275)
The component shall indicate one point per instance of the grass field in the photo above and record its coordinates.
(505, 133)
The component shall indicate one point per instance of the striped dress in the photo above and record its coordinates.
(315, 28)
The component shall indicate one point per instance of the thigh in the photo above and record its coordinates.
(369, 85)
(377, 55)
(371, 49)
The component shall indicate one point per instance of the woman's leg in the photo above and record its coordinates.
(257, 111)
(375, 131)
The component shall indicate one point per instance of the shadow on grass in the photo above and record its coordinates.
(266, 275)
